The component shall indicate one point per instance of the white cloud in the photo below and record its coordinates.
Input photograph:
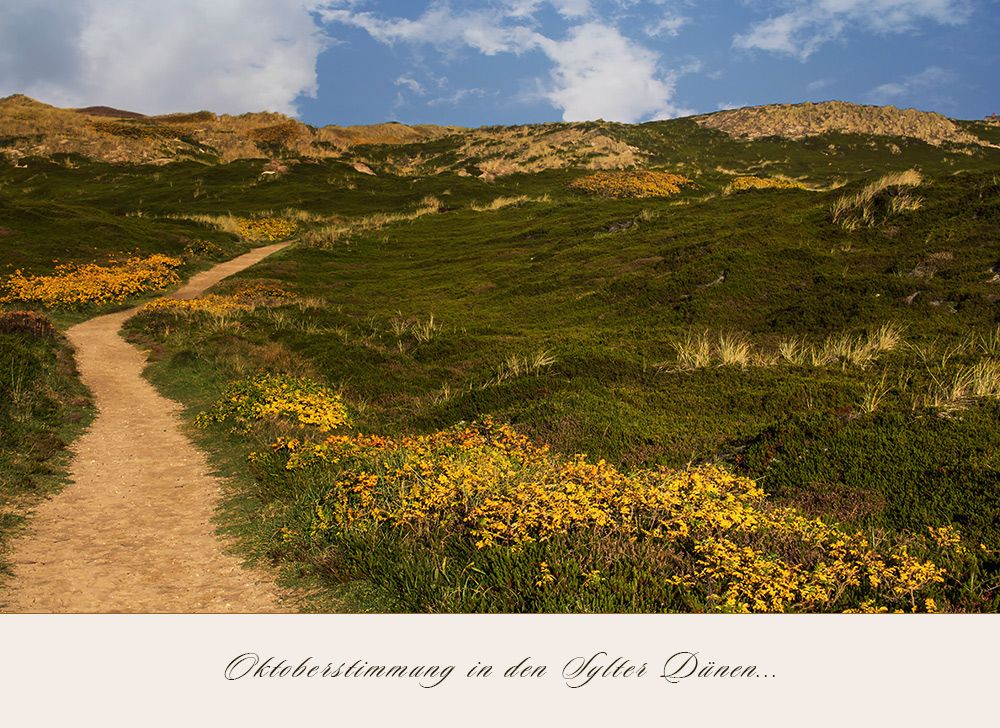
(566, 8)
(573, 8)
(229, 56)
(809, 24)
(440, 26)
(601, 74)
(931, 79)
(459, 96)
(798, 33)
(596, 72)
(820, 84)
(668, 25)
(411, 83)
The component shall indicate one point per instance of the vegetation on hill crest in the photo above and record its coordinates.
(797, 121)
(35, 129)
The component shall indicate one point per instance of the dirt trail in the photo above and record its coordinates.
(132, 531)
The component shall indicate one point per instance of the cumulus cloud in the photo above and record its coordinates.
(596, 71)
(809, 24)
(599, 73)
(228, 56)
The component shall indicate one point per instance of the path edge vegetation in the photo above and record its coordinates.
(44, 405)
(225, 411)
(45, 408)
(240, 519)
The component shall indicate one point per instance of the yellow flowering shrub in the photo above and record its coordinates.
(201, 248)
(741, 184)
(726, 542)
(211, 303)
(276, 396)
(631, 184)
(241, 298)
(266, 228)
(74, 285)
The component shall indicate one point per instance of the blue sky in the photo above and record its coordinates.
(500, 61)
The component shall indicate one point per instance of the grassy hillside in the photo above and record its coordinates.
(809, 323)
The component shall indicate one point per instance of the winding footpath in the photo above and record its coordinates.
(132, 531)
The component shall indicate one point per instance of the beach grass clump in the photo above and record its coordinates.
(879, 201)
(276, 133)
(141, 132)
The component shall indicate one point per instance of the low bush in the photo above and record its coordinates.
(270, 396)
(896, 470)
(631, 184)
(742, 184)
(478, 518)
(76, 286)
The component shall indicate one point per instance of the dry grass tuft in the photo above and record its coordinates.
(501, 202)
(694, 351)
(519, 365)
(879, 201)
(327, 236)
(698, 350)
(735, 350)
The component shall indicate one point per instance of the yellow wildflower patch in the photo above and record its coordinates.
(74, 285)
(211, 303)
(726, 542)
(266, 228)
(274, 396)
(241, 298)
(741, 184)
(631, 184)
(201, 248)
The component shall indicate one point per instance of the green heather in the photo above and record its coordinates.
(838, 343)
(42, 407)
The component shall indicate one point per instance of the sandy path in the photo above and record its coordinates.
(132, 530)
